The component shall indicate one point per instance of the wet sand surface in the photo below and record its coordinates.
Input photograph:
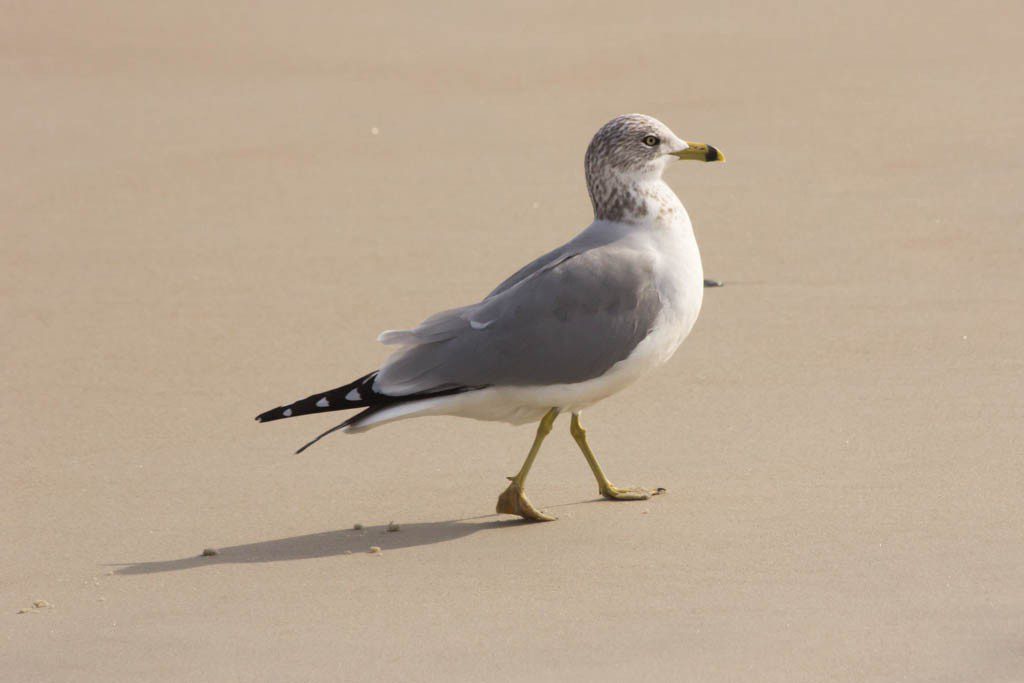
(208, 212)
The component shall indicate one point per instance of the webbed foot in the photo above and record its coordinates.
(615, 493)
(514, 502)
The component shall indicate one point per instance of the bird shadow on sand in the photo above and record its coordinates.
(333, 543)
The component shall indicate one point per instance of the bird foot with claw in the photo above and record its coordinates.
(615, 493)
(514, 502)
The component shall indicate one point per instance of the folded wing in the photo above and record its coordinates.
(568, 320)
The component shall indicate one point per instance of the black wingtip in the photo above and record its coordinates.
(357, 394)
(271, 415)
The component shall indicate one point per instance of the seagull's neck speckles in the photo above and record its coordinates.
(635, 199)
(616, 198)
(669, 208)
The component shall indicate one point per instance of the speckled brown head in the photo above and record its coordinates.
(625, 154)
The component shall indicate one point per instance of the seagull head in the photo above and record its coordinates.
(633, 149)
(636, 144)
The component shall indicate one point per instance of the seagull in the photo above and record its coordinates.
(567, 330)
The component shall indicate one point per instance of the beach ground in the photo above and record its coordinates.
(207, 211)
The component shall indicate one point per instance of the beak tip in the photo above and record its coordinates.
(699, 151)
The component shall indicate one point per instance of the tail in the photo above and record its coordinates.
(357, 394)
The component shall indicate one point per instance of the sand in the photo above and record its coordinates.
(208, 211)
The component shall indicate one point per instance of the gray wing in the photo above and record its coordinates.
(597, 235)
(568, 321)
(548, 260)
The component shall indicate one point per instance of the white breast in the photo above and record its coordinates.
(680, 285)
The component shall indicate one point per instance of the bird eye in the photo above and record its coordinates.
(651, 140)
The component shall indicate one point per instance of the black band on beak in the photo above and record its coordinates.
(712, 154)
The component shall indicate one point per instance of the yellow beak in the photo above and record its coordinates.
(700, 152)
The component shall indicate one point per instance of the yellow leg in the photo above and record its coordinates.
(513, 501)
(606, 488)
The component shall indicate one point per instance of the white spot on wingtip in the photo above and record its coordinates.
(354, 395)
(480, 326)
(323, 403)
(287, 412)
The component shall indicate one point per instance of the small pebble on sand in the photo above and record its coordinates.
(210, 552)
(374, 549)
(375, 131)
(36, 605)
(660, 491)
(357, 527)
(393, 527)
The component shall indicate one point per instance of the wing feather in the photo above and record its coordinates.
(567, 321)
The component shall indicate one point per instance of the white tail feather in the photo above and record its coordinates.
(391, 337)
(401, 411)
